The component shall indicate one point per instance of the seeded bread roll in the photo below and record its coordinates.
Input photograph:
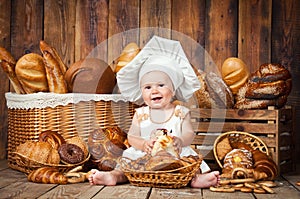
(30, 71)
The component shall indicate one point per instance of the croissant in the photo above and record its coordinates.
(47, 175)
(264, 164)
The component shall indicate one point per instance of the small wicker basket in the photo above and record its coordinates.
(175, 178)
(77, 115)
(237, 136)
(27, 165)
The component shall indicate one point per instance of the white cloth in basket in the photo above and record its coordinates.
(43, 100)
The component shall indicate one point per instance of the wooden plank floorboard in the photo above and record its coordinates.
(182, 193)
(14, 184)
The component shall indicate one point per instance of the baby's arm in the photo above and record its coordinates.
(135, 139)
(187, 135)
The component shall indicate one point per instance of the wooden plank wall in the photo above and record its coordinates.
(257, 31)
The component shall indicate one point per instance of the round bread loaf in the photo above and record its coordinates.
(234, 73)
(128, 53)
(90, 75)
(30, 70)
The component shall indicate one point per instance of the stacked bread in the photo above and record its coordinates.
(270, 85)
(241, 161)
(106, 146)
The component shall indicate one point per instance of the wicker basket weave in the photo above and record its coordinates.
(80, 118)
(175, 178)
(237, 136)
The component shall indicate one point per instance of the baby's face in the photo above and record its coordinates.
(157, 89)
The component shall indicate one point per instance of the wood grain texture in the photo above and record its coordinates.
(221, 33)
(5, 7)
(155, 20)
(91, 29)
(286, 49)
(189, 29)
(59, 28)
(123, 24)
(26, 27)
(254, 37)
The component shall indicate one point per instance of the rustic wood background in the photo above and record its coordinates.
(257, 31)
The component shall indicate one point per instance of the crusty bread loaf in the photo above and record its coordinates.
(235, 73)
(8, 64)
(30, 70)
(90, 75)
(219, 91)
(55, 69)
(47, 175)
(39, 151)
(128, 53)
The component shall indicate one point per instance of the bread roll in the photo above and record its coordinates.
(55, 69)
(8, 64)
(30, 71)
(90, 75)
(235, 73)
(128, 53)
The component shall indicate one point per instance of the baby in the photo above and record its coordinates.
(156, 77)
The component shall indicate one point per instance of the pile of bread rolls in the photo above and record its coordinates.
(106, 145)
(244, 168)
(269, 85)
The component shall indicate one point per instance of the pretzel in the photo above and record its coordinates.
(268, 189)
(222, 189)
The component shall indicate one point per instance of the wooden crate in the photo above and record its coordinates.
(273, 126)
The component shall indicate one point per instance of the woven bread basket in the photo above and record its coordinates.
(237, 136)
(76, 114)
(175, 178)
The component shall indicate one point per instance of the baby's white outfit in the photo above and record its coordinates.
(174, 124)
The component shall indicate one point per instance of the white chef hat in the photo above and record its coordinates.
(164, 55)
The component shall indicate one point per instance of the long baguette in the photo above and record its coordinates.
(55, 69)
(8, 64)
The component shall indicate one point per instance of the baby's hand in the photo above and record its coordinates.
(148, 145)
(177, 143)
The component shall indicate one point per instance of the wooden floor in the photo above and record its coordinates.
(13, 184)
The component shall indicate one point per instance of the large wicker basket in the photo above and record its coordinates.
(175, 178)
(237, 136)
(31, 114)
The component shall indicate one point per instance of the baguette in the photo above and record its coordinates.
(8, 64)
(55, 69)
